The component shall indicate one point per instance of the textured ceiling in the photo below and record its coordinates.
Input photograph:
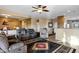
(54, 11)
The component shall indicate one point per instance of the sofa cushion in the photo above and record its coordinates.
(1, 51)
(16, 46)
(22, 49)
(4, 43)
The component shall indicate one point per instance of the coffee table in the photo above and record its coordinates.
(50, 46)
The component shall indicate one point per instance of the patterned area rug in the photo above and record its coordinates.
(65, 49)
(52, 48)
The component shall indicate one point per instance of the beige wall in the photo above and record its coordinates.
(26, 23)
(60, 21)
(43, 23)
(12, 23)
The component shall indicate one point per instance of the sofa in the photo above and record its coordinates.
(19, 47)
(24, 34)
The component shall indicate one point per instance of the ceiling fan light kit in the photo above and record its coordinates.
(40, 9)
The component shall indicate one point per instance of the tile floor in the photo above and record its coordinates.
(66, 44)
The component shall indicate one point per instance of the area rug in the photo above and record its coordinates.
(65, 49)
(52, 48)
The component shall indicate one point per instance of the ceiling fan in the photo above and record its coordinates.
(40, 9)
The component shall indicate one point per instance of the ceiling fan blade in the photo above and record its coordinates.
(44, 6)
(46, 10)
(34, 10)
(39, 6)
(34, 7)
